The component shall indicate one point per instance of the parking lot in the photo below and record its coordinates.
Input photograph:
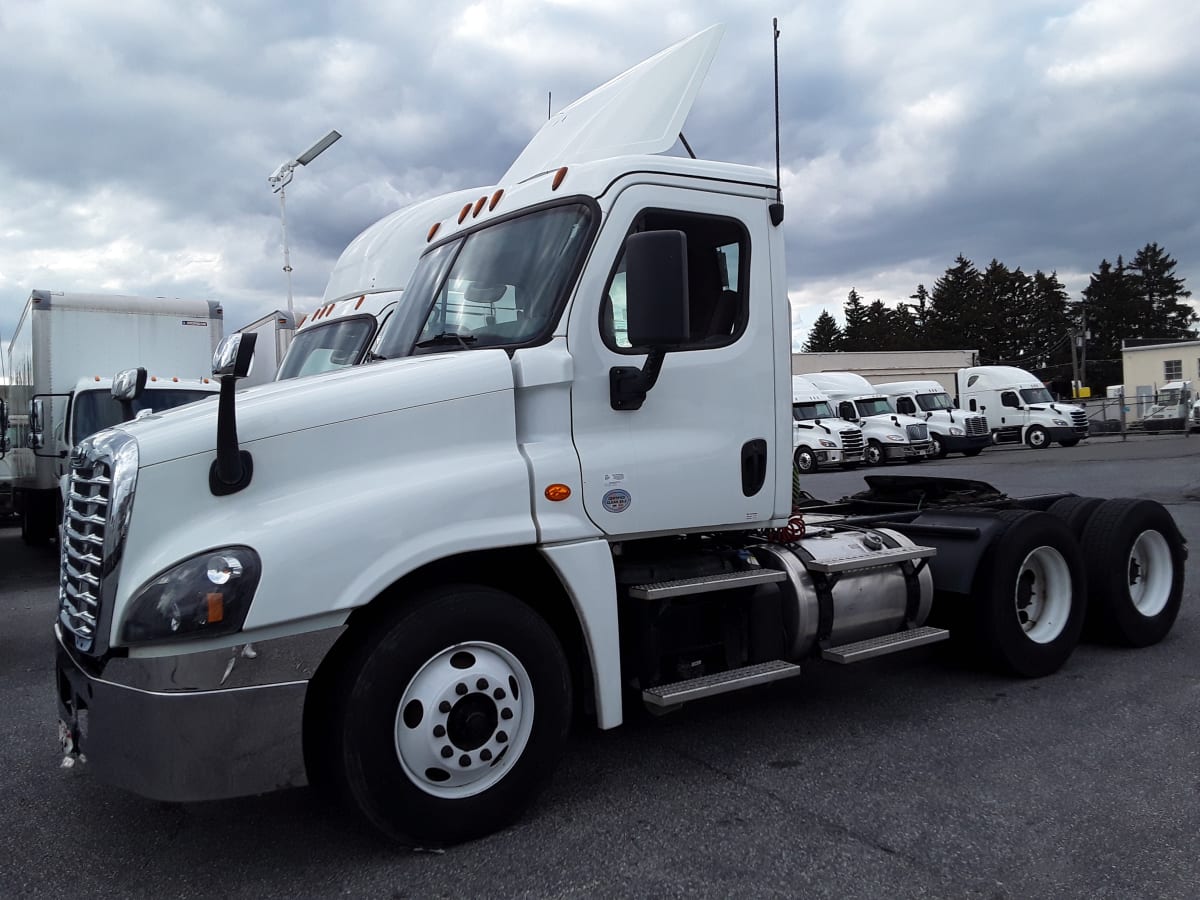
(905, 776)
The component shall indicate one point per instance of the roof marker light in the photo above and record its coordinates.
(175, 378)
(463, 213)
(478, 206)
(495, 199)
(360, 300)
(433, 229)
(558, 178)
(97, 377)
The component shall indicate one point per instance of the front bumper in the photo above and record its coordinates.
(917, 450)
(196, 726)
(955, 443)
(837, 457)
(1066, 433)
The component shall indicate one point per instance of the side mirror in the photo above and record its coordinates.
(37, 439)
(234, 355)
(656, 311)
(4, 447)
(129, 384)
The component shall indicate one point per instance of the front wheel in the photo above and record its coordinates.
(806, 461)
(1037, 438)
(1135, 557)
(938, 449)
(453, 715)
(873, 455)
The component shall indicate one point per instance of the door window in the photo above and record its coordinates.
(905, 406)
(1009, 398)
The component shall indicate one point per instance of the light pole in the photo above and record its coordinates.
(280, 179)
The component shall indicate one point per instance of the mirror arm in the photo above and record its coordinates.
(232, 469)
(628, 385)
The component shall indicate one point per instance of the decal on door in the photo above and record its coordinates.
(617, 500)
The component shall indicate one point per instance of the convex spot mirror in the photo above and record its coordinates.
(129, 384)
(656, 289)
(36, 418)
(234, 355)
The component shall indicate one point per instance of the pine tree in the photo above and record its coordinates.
(1110, 313)
(825, 335)
(954, 306)
(855, 313)
(1161, 294)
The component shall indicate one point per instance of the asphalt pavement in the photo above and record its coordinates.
(907, 776)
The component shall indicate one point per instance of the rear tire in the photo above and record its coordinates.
(1135, 558)
(452, 715)
(1028, 595)
(1075, 511)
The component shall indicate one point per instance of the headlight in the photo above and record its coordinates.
(894, 437)
(957, 432)
(825, 443)
(1061, 422)
(205, 596)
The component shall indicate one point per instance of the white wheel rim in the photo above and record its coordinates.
(1043, 594)
(1150, 573)
(805, 461)
(1037, 438)
(474, 700)
(936, 445)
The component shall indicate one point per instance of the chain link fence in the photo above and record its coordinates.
(1161, 412)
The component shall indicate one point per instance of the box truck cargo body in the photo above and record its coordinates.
(63, 354)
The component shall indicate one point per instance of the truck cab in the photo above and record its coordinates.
(1172, 409)
(950, 429)
(1018, 407)
(889, 436)
(819, 438)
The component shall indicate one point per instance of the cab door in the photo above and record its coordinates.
(699, 453)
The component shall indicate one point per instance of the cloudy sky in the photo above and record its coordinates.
(138, 136)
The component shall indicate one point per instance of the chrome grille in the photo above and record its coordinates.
(918, 433)
(852, 440)
(1079, 420)
(976, 426)
(84, 525)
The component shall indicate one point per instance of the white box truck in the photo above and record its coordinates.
(1018, 407)
(950, 429)
(366, 285)
(274, 333)
(62, 356)
(819, 438)
(889, 436)
(550, 521)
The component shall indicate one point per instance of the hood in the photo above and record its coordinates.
(640, 111)
(323, 400)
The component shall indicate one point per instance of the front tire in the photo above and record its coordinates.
(1029, 595)
(1037, 438)
(938, 449)
(806, 461)
(1135, 559)
(452, 716)
(873, 455)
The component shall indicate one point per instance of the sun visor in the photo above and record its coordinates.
(640, 111)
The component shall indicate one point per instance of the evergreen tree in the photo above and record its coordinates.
(878, 328)
(907, 333)
(1161, 296)
(825, 335)
(855, 313)
(1110, 314)
(920, 308)
(954, 307)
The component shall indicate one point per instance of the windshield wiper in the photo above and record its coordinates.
(448, 337)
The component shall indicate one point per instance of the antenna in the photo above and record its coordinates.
(777, 206)
(549, 96)
(686, 145)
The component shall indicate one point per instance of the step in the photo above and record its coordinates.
(702, 584)
(719, 683)
(879, 558)
(881, 646)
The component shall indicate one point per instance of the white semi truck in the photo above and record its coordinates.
(1018, 407)
(1172, 409)
(819, 438)
(889, 436)
(950, 429)
(542, 519)
(63, 354)
(366, 285)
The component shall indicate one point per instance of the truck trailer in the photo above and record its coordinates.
(549, 520)
(63, 354)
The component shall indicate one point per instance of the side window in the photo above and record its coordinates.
(846, 411)
(905, 406)
(973, 406)
(1009, 398)
(718, 256)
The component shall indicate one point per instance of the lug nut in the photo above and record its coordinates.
(506, 713)
(460, 689)
(499, 694)
(485, 754)
(464, 760)
(445, 707)
(501, 737)
(482, 684)
(447, 752)
(439, 731)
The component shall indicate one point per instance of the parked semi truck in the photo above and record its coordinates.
(1019, 408)
(63, 354)
(1172, 409)
(950, 429)
(274, 332)
(366, 285)
(542, 520)
(889, 436)
(819, 438)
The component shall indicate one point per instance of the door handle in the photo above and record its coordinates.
(754, 466)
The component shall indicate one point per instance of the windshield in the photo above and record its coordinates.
(875, 406)
(817, 409)
(934, 402)
(323, 348)
(94, 411)
(499, 286)
(1036, 395)
(1170, 398)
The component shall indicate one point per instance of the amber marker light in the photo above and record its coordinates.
(97, 377)
(478, 206)
(463, 213)
(175, 378)
(360, 301)
(433, 229)
(558, 178)
(557, 492)
(495, 199)
(216, 607)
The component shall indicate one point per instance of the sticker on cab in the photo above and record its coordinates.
(617, 500)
